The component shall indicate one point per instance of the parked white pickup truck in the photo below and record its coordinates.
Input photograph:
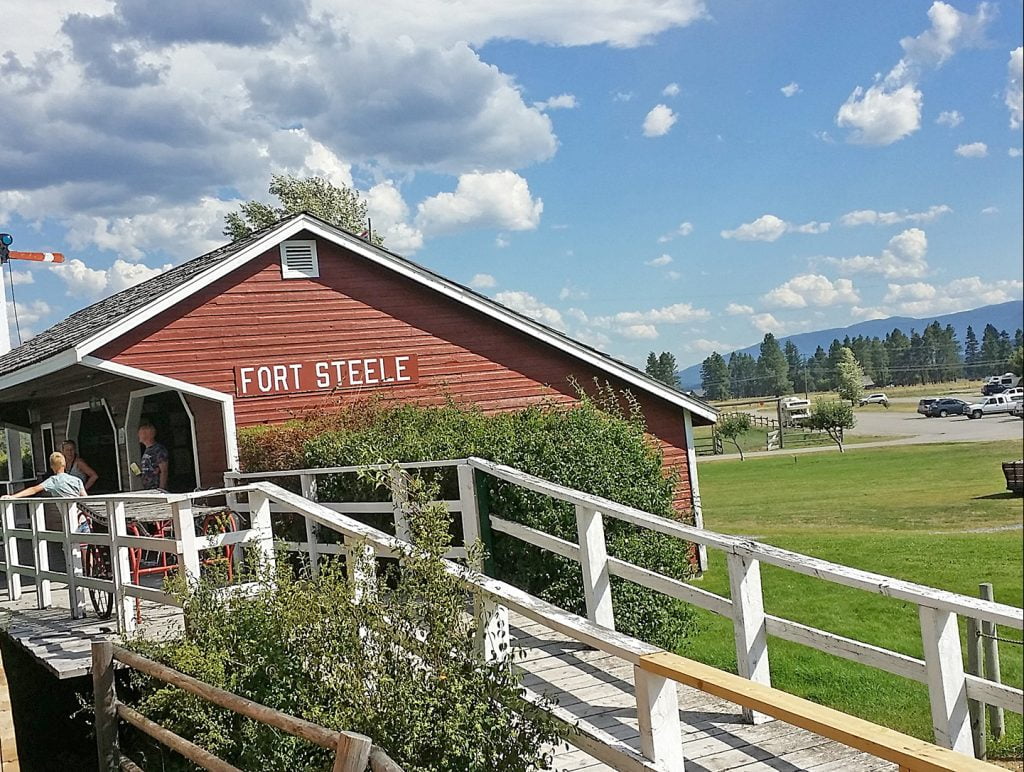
(997, 403)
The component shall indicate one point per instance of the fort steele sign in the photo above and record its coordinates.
(258, 380)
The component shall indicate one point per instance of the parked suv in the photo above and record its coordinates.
(947, 406)
(997, 403)
(924, 404)
(875, 399)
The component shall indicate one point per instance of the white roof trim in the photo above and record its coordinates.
(445, 287)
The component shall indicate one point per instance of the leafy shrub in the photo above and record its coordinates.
(596, 445)
(399, 666)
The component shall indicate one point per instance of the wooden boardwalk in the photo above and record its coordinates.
(589, 686)
(597, 688)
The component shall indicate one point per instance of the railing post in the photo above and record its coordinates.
(597, 588)
(185, 533)
(400, 498)
(72, 558)
(361, 568)
(11, 552)
(657, 708)
(749, 628)
(37, 514)
(493, 635)
(947, 687)
(308, 483)
(975, 708)
(990, 645)
(352, 753)
(108, 749)
(262, 524)
(469, 509)
(120, 567)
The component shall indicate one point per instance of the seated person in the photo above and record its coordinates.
(76, 466)
(154, 461)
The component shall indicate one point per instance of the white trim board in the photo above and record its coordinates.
(397, 265)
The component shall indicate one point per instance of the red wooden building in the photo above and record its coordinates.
(251, 332)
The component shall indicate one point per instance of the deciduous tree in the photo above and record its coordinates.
(731, 426)
(831, 417)
(849, 376)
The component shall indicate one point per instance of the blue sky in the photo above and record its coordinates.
(655, 174)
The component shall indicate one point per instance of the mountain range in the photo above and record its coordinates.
(1003, 316)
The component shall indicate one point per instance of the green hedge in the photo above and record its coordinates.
(594, 446)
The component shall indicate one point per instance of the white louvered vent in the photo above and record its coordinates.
(299, 260)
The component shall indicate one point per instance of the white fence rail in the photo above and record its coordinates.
(949, 687)
(941, 669)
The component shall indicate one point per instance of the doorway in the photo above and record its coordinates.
(175, 430)
(91, 428)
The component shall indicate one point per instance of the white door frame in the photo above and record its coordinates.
(75, 423)
(131, 426)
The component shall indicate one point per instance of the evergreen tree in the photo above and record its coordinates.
(662, 367)
(972, 353)
(772, 368)
(794, 364)
(897, 346)
(880, 362)
(742, 375)
(714, 377)
(817, 370)
(991, 352)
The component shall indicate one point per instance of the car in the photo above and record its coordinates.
(875, 399)
(947, 406)
(1016, 393)
(924, 404)
(997, 403)
(1018, 410)
(992, 388)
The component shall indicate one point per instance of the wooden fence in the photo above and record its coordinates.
(942, 669)
(352, 752)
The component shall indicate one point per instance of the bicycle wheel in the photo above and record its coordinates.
(96, 565)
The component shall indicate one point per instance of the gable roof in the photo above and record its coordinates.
(76, 337)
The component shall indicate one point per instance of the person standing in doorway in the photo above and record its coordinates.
(76, 466)
(154, 462)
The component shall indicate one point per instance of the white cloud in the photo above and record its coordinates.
(677, 313)
(890, 109)
(871, 217)
(658, 262)
(904, 257)
(768, 227)
(501, 241)
(790, 89)
(705, 346)
(990, 210)
(674, 275)
(481, 200)
(483, 281)
(811, 290)
(622, 96)
(22, 277)
(671, 90)
(389, 212)
(560, 102)
(29, 313)
(84, 281)
(684, 229)
(951, 118)
(922, 298)
(528, 305)
(1014, 152)
(659, 121)
(736, 309)
(639, 331)
(880, 117)
(857, 312)
(568, 292)
(767, 323)
(1015, 87)
(972, 150)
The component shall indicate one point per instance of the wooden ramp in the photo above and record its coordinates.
(596, 689)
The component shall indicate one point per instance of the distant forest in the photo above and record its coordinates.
(932, 356)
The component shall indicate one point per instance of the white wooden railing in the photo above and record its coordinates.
(655, 671)
(941, 669)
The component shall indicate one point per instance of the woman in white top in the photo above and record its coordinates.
(76, 466)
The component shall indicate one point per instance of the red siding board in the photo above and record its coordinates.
(357, 308)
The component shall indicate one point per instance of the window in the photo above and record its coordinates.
(299, 260)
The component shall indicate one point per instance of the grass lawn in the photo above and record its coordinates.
(899, 511)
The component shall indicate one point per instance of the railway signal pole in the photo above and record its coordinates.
(6, 254)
